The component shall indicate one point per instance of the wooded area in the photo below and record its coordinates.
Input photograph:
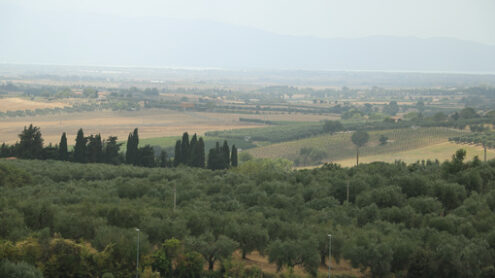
(426, 219)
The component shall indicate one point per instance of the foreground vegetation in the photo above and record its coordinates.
(426, 219)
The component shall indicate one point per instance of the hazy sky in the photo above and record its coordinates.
(463, 19)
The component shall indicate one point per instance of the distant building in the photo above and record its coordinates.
(186, 105)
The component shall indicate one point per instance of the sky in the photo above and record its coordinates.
(471, 20)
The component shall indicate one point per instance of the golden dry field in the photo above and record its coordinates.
(151, 123)
(14, 103)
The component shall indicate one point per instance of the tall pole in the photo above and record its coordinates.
(137, 257)
(347, 189)
(357, 156)
(175, 196)
(329, 253)
(484, 151)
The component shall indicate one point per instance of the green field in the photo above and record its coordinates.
(273, 134)
(164, 142)
(339, 147)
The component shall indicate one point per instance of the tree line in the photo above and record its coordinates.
(94, 149)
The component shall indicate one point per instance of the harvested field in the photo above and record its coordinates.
(151, 123)
(14, 103)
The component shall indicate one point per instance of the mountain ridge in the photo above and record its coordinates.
(96, 39)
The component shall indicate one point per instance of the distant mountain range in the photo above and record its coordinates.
(92, 39)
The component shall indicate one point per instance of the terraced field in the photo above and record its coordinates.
(339, 147)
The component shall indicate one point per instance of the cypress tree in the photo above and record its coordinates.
(200, 150)
(63, 153)
(95, 149)
(198, 154)
(80, 147)
(163, 159)
(178, 153)
(233, 158)
(226, 155)
(185, 150)
(192, 150)
(136, 153)
(131, 155)
(211, 159)
(112, 149)
(136, 137)
(215, 158)
(129, 149)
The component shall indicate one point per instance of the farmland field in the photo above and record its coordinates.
(151, 123)
(442, 151)
(339, 147)
(273, 134)
(14, 103)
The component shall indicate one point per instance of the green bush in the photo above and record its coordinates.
(18, 270)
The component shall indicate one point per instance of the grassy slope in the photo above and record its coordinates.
(441, 151)
(339, 146)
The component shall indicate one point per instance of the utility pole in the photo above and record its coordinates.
(484, 150)
(137, 257)
(329, 253)
(347, 191)
(357, 156)
(175, 196)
